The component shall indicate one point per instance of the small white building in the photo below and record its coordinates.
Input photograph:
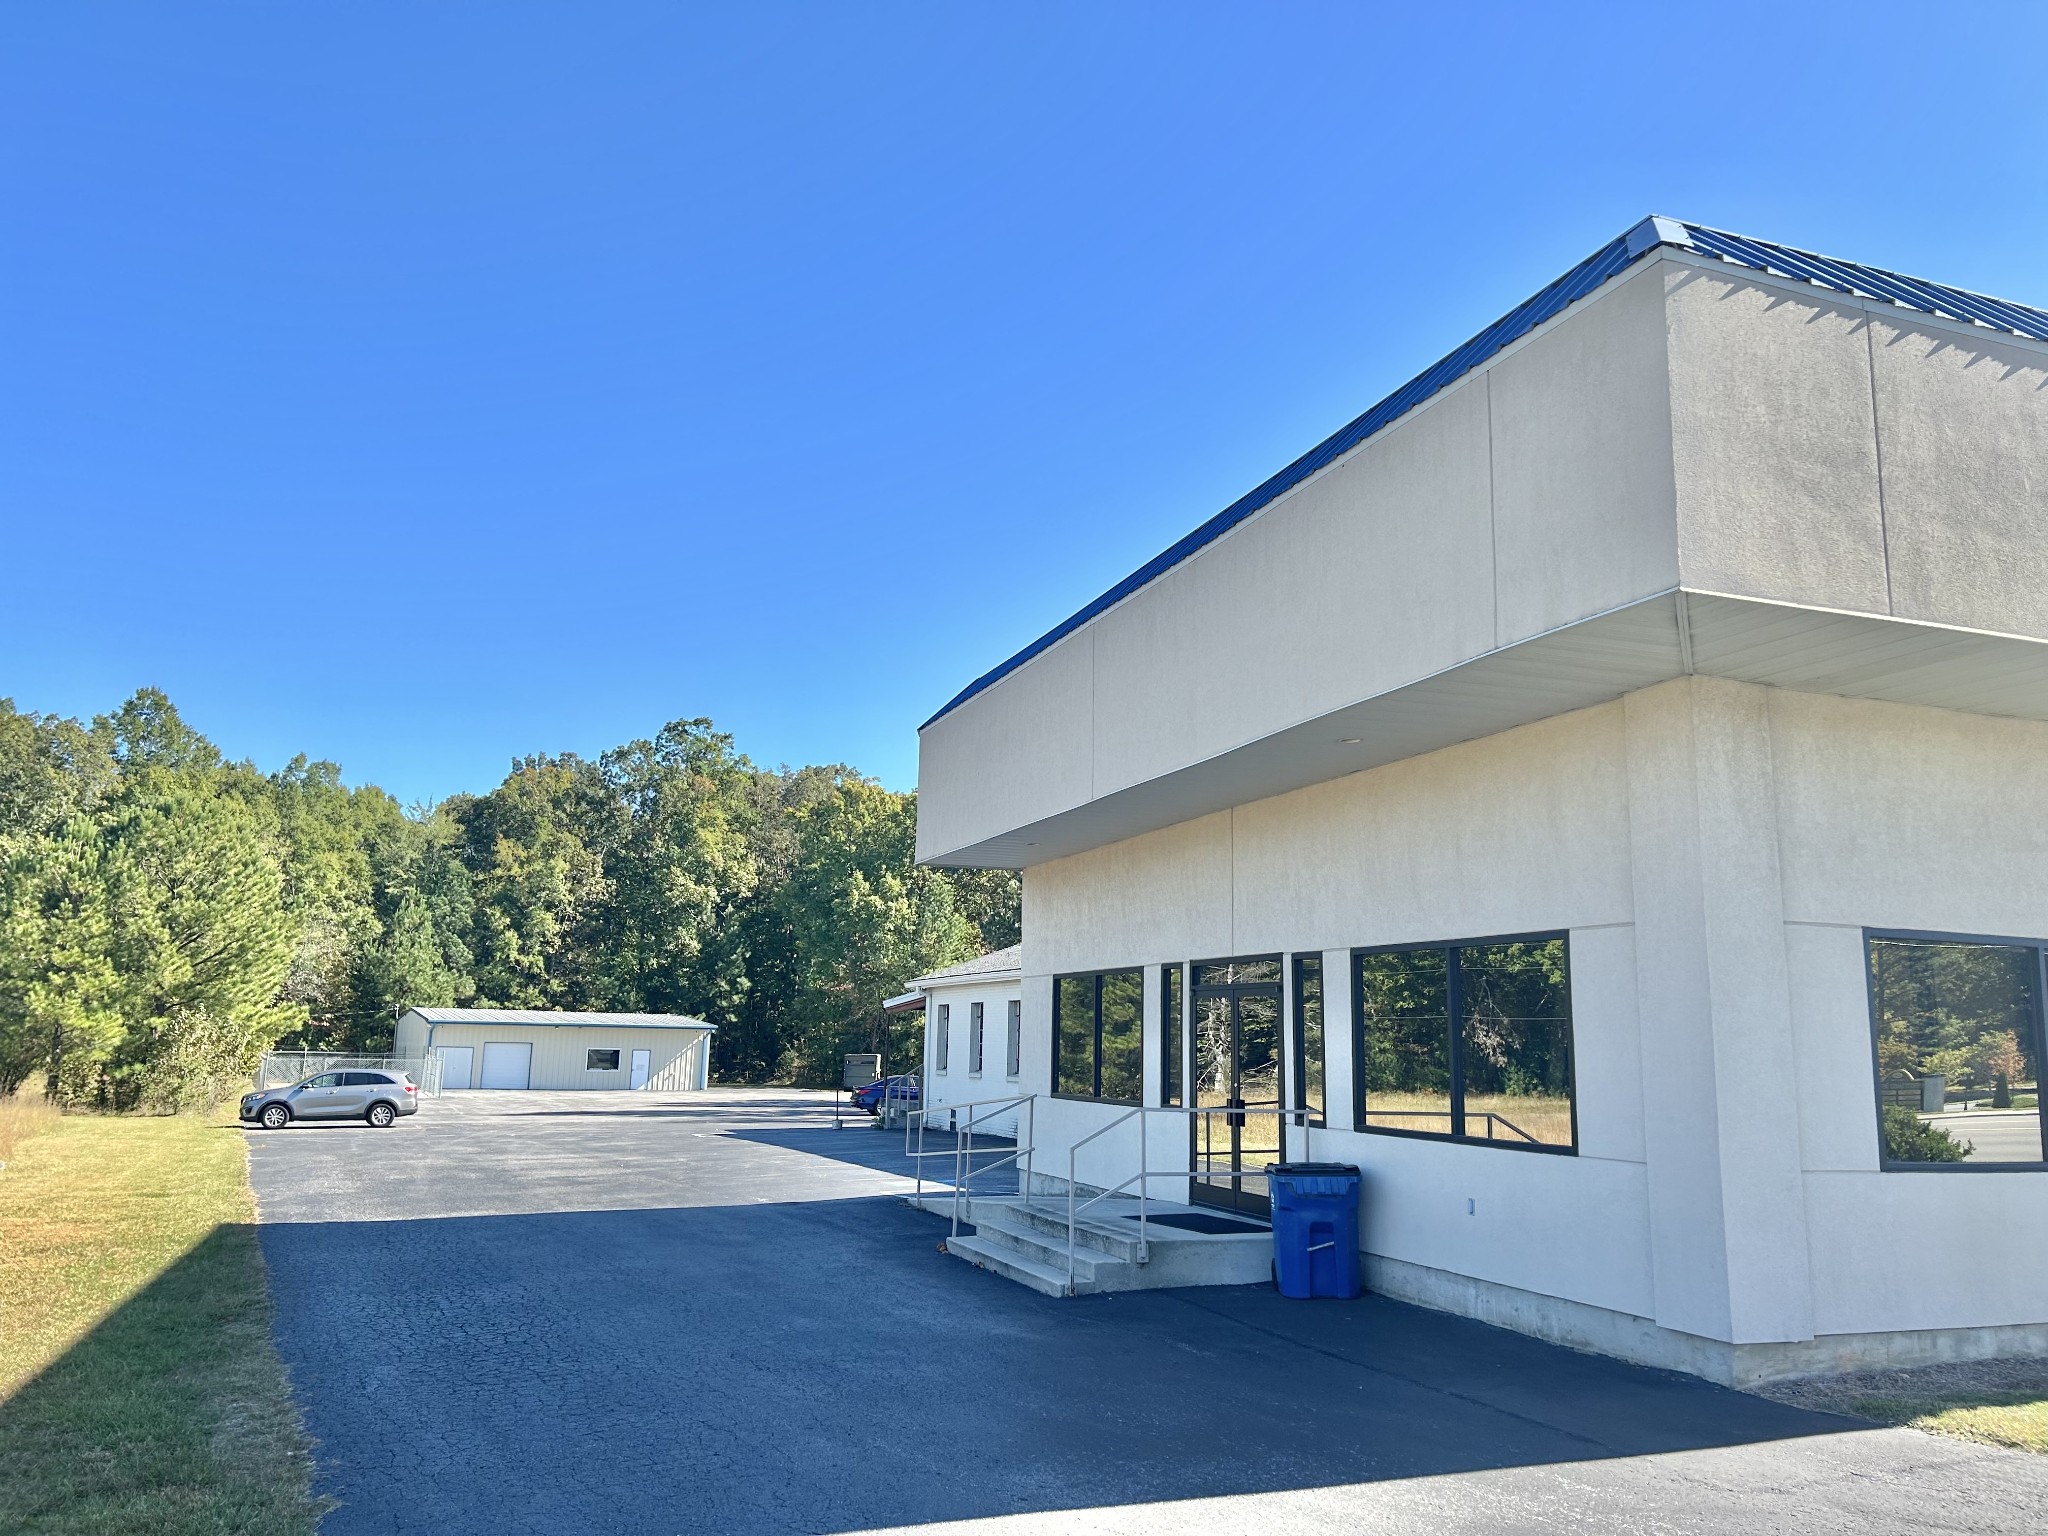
(1602, 789)
(973, 1038)
(535, 1048)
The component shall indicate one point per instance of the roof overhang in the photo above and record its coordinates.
(1594, 661)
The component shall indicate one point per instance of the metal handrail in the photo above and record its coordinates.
(1139, 1112)
(962, 1151)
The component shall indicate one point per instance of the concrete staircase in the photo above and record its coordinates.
(1026, 1241)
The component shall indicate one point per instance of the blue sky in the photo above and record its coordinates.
(419, 386)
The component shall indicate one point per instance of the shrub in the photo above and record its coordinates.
(1909, 1139)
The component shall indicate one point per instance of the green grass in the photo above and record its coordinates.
(1991, 1402)
(139, 1388)
(2017, 1420)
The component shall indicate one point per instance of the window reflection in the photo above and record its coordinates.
(1958, 1038)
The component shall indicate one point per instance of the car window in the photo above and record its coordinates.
(324, 1080)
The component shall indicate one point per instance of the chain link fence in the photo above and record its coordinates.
(279, 1069)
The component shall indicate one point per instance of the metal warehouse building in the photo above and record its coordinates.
(532, 1048)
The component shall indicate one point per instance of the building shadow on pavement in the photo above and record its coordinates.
(823, 1367)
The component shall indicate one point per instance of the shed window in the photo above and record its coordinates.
(1469, 1041)
(1099, 1036)
(1015, 1064)
(601, 1061)
(1957, 1028)
(974, 1029)
(943, 1041)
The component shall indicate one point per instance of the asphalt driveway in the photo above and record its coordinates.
(563, 1313)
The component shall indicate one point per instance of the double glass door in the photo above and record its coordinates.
(1236, 1020)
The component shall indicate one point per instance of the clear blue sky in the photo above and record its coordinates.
(422, 385)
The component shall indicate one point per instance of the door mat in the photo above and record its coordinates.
(1195, 1221)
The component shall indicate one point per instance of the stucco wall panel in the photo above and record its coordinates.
(1963, 425)
(1896, 1257)
(1584, 515)
(1774, 443)
(1375, 574)
(1009, 756)
(1524, 830)
(1896, 816)
(1164, 896)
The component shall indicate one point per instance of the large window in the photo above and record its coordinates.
(600, 1061)
(974, 1032)
(1957, 1030)
(1306, 1037)
(1173, 1038)
(1098, 1031)
(1468, 1041)
(942, 1046)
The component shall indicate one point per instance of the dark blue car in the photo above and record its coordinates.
(901, 1091)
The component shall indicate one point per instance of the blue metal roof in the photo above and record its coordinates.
(1612, 258)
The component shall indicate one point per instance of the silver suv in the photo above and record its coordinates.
(356, 1094)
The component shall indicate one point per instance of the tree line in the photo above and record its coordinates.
(167, 915)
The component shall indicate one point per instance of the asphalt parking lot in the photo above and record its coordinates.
(560, 1313)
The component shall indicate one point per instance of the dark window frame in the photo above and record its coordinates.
(1929, 936)
(590, 1055)
(943, 1054)
(1013, 1061)
(1453, 1008)
(1095, 1039)
(977, 1019)
(1297, 1035)
(1173, 1032)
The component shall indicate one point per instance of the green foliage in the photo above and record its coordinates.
(1909, 1139)
(166, 915)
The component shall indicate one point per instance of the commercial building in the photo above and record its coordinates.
(1600, 790)
(535, 1048)
(973, 1040)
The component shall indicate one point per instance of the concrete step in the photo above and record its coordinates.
(1042, 1247)
(1118, 1239)
(999, 1258)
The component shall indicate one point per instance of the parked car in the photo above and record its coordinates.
(379, 1097)
(900, 1091)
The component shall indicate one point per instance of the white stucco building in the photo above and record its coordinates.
(1609, 780)
(973, 1040)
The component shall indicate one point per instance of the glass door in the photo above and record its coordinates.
(1236, 1021)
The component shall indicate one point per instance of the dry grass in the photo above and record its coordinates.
(22, 1115)
(1992, 1402)
(139, 1389)
(1548, 1120)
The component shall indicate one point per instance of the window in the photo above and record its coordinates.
(1098, 1029)
(1307, 1038)
(974, 1021)
(1956, 1025)
(601, 1061)
(324, 1080)
(942, 1045)
(1468, 1041)
(1015, 1065)
(1173, 1037)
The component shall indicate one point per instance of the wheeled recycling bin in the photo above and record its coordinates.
(1315, 1229)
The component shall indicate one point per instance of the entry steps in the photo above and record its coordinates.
(1026, 1241)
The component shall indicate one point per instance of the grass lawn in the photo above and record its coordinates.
(1993, 1402)
(139, 1389)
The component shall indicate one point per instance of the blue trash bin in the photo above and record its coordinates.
(1315, 1229)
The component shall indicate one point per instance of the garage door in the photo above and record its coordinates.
(458, 1067)
(507, 1066)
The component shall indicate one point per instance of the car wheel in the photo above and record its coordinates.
(381, 1114)
(275, 1117)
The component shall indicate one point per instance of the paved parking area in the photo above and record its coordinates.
(565, 1313)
